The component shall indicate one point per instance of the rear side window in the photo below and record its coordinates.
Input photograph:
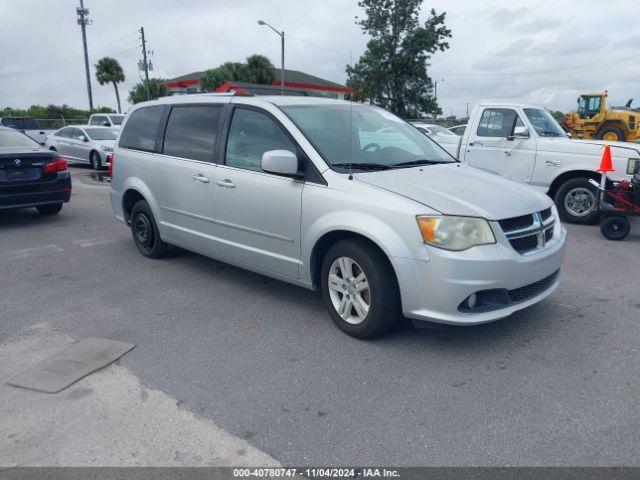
(96, 120)
(191, 132)
(141, 130)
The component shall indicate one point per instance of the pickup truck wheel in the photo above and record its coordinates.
(577, 202)
(612, 134)
(359, 289)
(145, 231)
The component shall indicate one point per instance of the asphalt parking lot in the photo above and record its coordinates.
(556, 384)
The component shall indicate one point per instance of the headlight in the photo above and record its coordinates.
(455, 233)
(106, 149)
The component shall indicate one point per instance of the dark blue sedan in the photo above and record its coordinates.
(31, 176)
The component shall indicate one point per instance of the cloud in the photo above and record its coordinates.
(545, 52)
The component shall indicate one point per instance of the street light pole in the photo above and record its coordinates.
(262, 22)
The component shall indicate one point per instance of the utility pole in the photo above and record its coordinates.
(83, 21)
(145, 63)
(467, 104)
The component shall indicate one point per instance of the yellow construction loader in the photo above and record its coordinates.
(594, 120)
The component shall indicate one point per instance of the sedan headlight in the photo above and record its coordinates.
(455, 233)
(106, 149)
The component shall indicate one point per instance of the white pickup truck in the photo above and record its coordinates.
(525, 143)
(28, 126)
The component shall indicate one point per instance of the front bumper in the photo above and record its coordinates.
(434, 290)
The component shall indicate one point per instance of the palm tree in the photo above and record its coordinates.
(108, 70)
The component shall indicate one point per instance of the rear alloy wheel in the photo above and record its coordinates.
(95, 161)
(615, 227)
(359, 289)
(577, 202)
(50, 209)
(145, 231)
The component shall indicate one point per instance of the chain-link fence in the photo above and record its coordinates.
(55, 123)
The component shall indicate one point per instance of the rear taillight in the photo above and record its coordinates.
(110, 159)
(58, 165)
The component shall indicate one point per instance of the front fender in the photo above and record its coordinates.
(390, 241)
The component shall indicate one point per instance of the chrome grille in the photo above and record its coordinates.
(528, 233)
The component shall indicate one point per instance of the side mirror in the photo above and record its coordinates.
(280, 162)
(519, 132)
(106, 123)
(82, 138)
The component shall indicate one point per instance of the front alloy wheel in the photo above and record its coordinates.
(349, 290)
(359, 288)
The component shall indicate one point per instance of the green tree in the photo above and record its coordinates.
(157, 86)
(558, 115)
(392, 72)
(260, 69)
(257, 69)
(108, 70)
(228, 71)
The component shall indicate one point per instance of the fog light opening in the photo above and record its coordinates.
(471, 300)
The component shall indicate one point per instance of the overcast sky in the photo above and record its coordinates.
(542, 52)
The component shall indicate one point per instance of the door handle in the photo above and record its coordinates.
(226, 183)
(471, 144)
(200, 178)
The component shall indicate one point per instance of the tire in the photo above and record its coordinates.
(50, 209)
(94, 160)
(577, 201)
(610, 131)
(145, 231)
(376, 308)
(615, 227)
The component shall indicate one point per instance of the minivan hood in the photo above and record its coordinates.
(457, 189)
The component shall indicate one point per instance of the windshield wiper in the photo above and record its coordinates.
(419, 162)
(361, 166)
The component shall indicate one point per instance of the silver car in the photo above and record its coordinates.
(84, 144)
(340, 197)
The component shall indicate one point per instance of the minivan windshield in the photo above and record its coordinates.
(363, 137)
(544, 123)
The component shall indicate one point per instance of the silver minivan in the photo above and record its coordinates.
(336, 196)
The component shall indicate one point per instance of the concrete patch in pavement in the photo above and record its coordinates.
(106, 419)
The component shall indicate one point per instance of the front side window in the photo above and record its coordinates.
(141, 131)
(191, 132)
(252, 133)
(100, 133)
(75, 133)
(498, 122)
(354, 136)
(544, 123)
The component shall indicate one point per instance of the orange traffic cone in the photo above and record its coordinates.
(605, 164)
